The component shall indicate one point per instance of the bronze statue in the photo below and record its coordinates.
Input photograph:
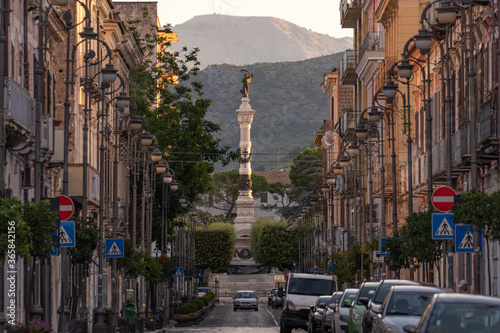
(247, 78)
(245, 157)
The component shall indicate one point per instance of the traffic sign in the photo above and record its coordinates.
(66, 207)
(67, 234)
(114, 247)
(464, 236)
(377, 257)
(179, 272)
(442, 226)
(443, 198)
(383, 252)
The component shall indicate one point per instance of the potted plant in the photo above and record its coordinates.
(124, 325)
(30, 327)
(150, 323)
(140, 324)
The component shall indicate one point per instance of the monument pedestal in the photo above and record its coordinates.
(243, 222)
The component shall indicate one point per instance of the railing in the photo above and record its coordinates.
(487, 122)
(345, 5)
(373, 41)
(349, 62)
(19, 105)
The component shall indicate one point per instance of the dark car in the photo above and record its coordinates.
(316, 314)
(277, 300)
(403, 305)
(459, 313)
(374, 305)
(326, 321)
(270, 296)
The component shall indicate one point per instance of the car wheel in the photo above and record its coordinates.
(234, 309)
(256, 309)
(284, 328)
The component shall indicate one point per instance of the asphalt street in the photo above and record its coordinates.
(222, 319)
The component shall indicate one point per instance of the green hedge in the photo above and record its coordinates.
(214, 247)
(195, 304)
(273, 245)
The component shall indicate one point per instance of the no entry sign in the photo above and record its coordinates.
(66, 207)
(443, 198)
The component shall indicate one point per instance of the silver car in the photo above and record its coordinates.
(341, 314)
(459, 313)
(245, 299)
(403, 305)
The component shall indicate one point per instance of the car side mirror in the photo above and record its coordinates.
(364, 300)
(331, 306)
(410, 328)
(348, 303)
(280, 292)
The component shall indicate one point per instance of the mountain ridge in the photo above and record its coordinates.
(243, 40)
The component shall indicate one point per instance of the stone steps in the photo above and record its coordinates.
(230, 284)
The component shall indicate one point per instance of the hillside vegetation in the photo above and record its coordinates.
(289, 102)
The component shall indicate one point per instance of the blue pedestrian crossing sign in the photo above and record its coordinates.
(383, 252)
(179, 272)
(114, 247)
(442, 226)
(464, 239)
(67, 234)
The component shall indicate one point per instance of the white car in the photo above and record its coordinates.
(341, 314)
(203, 290)
(245, 299)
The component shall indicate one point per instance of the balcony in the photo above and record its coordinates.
(347, 124)
(19, 111)
(488, 136)
(371, 56)
(75, 190)
(350, 13)
(348, 74)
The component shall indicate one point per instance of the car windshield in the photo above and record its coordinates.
(465, 317)
(245, 294)
(349, 296)
(408, 303)
(382, 291)
(312, 287)
(367, 292)
(335, 298)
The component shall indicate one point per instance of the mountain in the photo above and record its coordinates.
(235, 40)
(289, 103)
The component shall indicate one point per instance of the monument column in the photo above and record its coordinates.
(245, 203)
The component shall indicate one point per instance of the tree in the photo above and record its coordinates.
(12, 223)
(225, 189)
(305, 174)
(86, 242)
(164, 93)
(41, 221)
(413, 243)
(480, 210)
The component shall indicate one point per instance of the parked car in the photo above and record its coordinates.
(339, 320)
(374, 305)
(270, 296)
(203, 290)
(246, 299)
(459, 313)
(326, 320)
(302, 290)
(403, 305)
(358, 306)
(277, 300)
(316, 314)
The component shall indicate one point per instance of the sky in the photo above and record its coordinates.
(321, 16)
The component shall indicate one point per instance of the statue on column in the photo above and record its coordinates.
(247, 78)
